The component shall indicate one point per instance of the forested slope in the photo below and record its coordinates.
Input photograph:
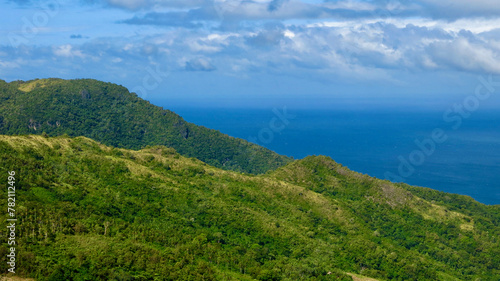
(110, 114)
(91, 212)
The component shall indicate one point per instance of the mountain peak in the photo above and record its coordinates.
(28, 86)
(109, 113)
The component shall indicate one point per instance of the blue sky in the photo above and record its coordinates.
(260, 53)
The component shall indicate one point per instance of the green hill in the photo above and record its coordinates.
(91, 212)
(110, 114)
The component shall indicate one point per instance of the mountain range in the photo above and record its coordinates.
(95, 201)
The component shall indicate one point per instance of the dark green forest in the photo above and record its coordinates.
(110, 114)
(92, 212)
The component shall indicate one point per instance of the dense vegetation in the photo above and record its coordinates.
(110, 114)
(92, 212)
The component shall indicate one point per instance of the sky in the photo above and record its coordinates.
(262, 53)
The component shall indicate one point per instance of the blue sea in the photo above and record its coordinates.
(453, 153)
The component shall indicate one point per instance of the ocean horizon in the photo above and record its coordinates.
(421, 148)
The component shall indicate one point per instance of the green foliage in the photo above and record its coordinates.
(91, 212)
(110, 114)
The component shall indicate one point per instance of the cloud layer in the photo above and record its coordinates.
(327, 41)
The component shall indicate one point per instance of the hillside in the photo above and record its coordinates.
(110, 114)
(92, 212)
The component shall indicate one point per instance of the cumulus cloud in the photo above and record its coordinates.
(327, 39)
(362, 50)
(266, 38)
(466, 56)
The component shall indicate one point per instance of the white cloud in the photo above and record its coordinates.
(464, 55)
(358, 46)
(289, 34)
(67, 51)
(197, 45)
